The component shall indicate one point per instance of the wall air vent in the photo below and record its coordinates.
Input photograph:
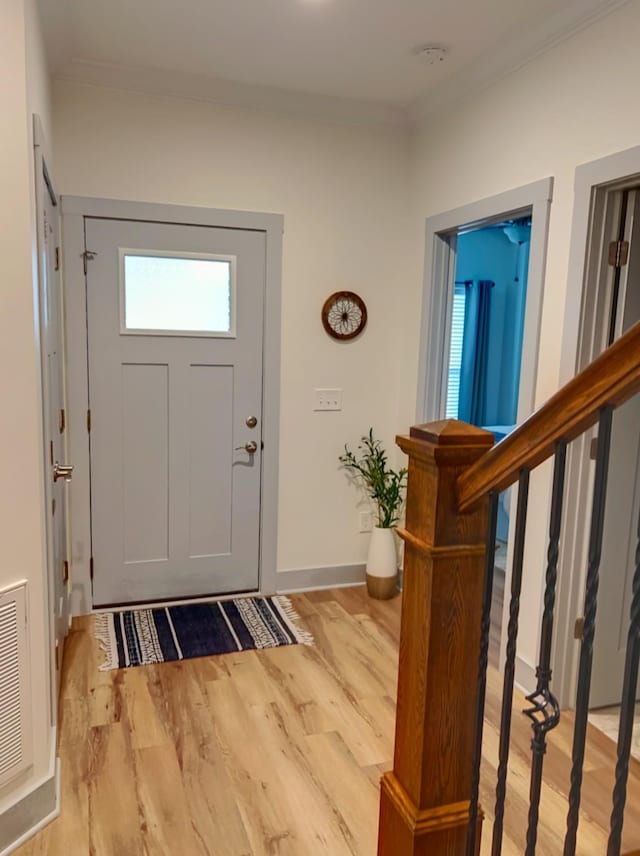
(15, 742)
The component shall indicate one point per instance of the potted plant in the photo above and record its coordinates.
(368, 466)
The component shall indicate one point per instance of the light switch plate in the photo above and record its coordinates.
(327, 399)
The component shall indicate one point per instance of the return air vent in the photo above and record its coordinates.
(15, 744)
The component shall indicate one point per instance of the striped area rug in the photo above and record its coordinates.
(144, 636)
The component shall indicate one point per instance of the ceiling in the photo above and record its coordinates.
(342, 50)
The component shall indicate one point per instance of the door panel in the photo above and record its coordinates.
(54, 428)
(175, 496)
(623, 503)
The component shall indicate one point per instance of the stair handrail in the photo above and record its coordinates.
(611, 379)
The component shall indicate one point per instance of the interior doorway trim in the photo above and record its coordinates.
(74, 210)
(437, 294)
(593, 181)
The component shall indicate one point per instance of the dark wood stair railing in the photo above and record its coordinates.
(428, 802)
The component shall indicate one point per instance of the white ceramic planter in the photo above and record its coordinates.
(382, 564)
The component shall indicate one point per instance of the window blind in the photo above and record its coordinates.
(455, 351)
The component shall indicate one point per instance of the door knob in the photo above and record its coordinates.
(62, 471)
(251, 447)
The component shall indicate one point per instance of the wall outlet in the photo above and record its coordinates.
(366, 521)
(327, 399)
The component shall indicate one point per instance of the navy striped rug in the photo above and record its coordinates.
(141, 637)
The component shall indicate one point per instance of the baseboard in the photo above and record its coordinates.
(525, 676)
(332, 576)
(30, 814)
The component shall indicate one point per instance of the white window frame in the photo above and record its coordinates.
(171, 254)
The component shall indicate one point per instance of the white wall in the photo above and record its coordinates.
(23, 89)
(344, 193)
(570, 106)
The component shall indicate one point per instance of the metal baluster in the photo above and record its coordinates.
(544, 712)
(629, 693)
(510, 661)
(590, 608)
(485, 629)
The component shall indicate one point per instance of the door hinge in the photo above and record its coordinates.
(87, 256)
(89, 420)
(593, 448)
(53, 506)
(578, 630)
(57, 656)
(618, 253)
(65, 571)
(51, 451)
(57, 263)
(61, 420)
(91, 568)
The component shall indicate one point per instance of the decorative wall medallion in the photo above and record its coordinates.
(344, 315)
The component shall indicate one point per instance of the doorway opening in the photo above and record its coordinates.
(485, 352)
(611, 306)
(602, 302)
(174, 403)
(484, 273)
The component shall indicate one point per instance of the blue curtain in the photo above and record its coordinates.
(472, 405)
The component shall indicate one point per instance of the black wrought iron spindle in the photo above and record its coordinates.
(589, 629)
(629, 693)
(544, 712)
(510, 661)
(485, 629)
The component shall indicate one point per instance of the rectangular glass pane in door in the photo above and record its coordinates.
(179, 294)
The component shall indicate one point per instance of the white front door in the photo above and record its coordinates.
(175, 330)
(54, 420)
(620, 534)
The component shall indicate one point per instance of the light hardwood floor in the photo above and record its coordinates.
(276, 753)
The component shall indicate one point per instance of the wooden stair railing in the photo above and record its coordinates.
(426, 802)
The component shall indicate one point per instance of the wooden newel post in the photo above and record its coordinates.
(424, 802)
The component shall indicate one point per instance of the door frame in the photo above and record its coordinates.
(438, 283)
(74, 210)
(43, 184)
(593, 181)
(437, 305)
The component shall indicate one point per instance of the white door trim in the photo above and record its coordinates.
(617, 170)
(42, 186)
(75, 209)
(439, 265)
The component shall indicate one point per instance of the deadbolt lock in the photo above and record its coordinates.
(251, 422)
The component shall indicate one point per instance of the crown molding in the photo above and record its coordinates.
(513, 53)
(163, 82)
(510, 55)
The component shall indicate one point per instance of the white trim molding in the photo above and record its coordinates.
(592, 181)
(74, 210)
(439, 269)
(32, 811)
(198, 87)
(314, 579)
(520, 48)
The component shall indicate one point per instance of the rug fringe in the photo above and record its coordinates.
(304, 637)
(104, 633)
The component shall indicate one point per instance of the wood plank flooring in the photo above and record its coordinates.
(276, 753)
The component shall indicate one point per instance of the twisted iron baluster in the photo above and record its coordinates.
(590, 609)
(510, 662)
(485, 629)
(629, 692)
(544, 712)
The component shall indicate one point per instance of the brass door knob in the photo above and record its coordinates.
(251, 447)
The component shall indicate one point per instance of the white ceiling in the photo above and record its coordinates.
(355, 50)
